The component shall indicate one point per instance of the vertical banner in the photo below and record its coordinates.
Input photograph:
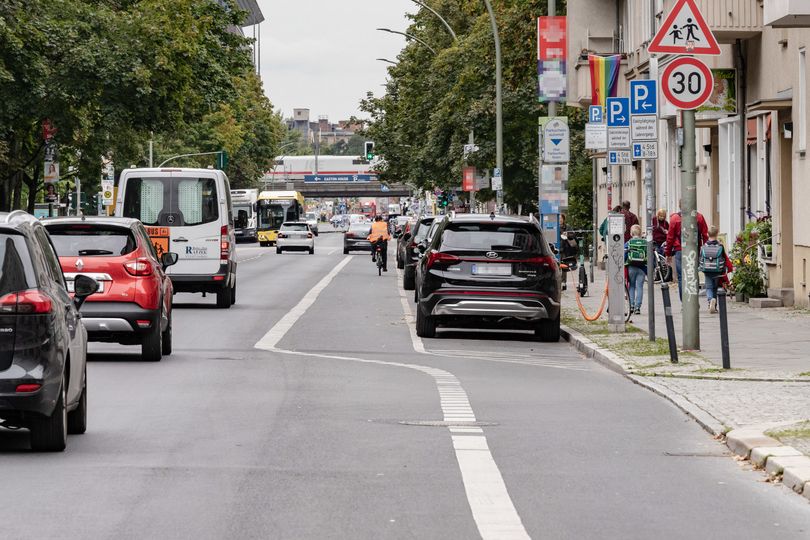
(604, 77)
(552, 45)
(51, 166)
(468, 179)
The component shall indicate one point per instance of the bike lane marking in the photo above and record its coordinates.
(492, 508)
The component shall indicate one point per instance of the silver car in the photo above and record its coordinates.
(312, 221)
(295, 235)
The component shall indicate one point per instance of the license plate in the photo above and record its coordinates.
(100, 286)
(492, 269)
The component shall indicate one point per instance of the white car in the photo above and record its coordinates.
(295, 235)
(312, 221)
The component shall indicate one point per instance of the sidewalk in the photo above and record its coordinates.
(766, 343)
(767, 391)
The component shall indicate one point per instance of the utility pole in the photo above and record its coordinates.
(471, 142)
(151, 149)
(498, 98)
(649, 180)
(689, 236)
(552, 112)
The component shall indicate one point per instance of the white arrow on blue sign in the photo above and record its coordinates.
(644, 97)
(618, 112)
(596, 114)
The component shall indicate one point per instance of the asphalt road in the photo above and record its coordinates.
(326, 431)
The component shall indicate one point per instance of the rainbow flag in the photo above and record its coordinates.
(604, 77)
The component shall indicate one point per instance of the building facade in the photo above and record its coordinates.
(751, 145)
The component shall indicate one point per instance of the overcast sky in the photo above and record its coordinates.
(320, 54)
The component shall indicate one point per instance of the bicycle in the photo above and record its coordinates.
(378, 255)
(577, 262)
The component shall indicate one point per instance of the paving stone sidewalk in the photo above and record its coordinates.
(769, 385)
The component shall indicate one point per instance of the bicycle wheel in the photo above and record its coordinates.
(628, 313)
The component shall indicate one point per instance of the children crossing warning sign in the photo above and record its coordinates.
(685, 31)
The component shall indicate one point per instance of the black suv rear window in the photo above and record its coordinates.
(492, 237)
(16, 270)
(86, 240)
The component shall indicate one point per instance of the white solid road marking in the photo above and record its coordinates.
(492, 508)
(271, 338)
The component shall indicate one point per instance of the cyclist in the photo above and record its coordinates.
(379, 236)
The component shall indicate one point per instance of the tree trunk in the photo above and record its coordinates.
(32, 188)
(18, 183)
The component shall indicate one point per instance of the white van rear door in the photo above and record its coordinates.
(195, 235)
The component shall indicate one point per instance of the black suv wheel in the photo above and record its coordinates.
(425, 324)
(548, 330)
(49, 433)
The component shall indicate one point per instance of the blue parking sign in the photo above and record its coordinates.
(618, 112)
(596, 114)
(644, 97)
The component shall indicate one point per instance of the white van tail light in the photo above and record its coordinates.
(224, 244)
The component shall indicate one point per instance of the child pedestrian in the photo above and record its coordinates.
(635, 259)
(715, 265)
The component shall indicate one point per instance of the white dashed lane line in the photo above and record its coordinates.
(492, 508)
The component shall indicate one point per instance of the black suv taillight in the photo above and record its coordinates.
(26, 302)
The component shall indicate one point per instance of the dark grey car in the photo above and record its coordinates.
(356, 238)
(410, 242)
(43, 343)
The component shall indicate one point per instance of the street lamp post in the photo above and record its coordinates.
(409, 36)
(387, 60)
(498, 97)
(446, 24)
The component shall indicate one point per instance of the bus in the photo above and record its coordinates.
(244, 211)
(274, 208)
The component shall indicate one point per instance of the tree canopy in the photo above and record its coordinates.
(433, 101)
(108, 73)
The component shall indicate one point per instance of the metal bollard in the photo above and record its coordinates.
(673, 346)
(721, 306)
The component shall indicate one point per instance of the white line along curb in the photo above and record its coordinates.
(492, 508)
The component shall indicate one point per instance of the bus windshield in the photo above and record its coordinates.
(272, 213)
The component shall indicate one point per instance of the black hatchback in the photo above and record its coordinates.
(488, 271)
(408, 243)
(43, 343)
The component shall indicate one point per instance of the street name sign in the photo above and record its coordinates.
(684, 31)
(644, 128)
(644, 97)
(619, 137)
(337, 178)
(619, 157)
(618, 112)
(687, 82)
(595, 136)
(645, 150)
(556, 140)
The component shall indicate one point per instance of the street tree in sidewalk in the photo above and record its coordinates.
(106, 74)
(433, 101)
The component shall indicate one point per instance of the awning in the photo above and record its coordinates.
(751, 130)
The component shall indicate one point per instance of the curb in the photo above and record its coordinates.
(763, 451)
(613, 362)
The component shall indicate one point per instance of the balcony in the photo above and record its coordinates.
(729, 20)
(787, 13)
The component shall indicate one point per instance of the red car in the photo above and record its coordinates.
(134, 302)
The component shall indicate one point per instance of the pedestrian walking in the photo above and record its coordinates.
(630, 219)
(635, 260)
(715, 265)
(660, 228)
(674, 247)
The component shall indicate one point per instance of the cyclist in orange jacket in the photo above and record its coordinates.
(379, 235)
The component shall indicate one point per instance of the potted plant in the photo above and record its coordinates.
(748, 280)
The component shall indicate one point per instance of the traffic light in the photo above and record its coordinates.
(369, 147)
(443, 200)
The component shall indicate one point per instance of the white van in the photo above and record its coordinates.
(188, 212)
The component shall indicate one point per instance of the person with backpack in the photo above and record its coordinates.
(674, 248)
(635, 260)
(715, 265)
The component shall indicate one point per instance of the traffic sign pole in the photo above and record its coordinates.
(651, 218)
(689, 237)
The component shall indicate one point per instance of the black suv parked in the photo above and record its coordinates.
(43, 343)
(488, 271)
(409, 241)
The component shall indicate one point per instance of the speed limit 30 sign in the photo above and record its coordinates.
(687, 82)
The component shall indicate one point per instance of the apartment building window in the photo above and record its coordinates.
(801, 120)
